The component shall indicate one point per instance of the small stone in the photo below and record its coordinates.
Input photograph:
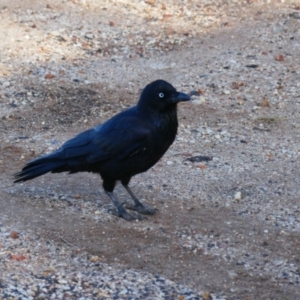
(197, 101)
(202, 100)
(238, 196)
(41, 296)
(14, 234)
(95, 258)
(89, 36)
(150, 2)
(49, 76)
(264, 103)
(282, 232)
(295, 15)
(206, 296)
(209, 131)
(6, 83)
(55, 33)
(62, 281)
(232, 274)
(169, 163)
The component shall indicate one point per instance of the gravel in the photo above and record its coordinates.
(52, 272)
(227, 191)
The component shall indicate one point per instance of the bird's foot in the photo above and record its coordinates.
(122, 213)
(142, 208)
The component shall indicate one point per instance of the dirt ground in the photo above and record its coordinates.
(229, 226)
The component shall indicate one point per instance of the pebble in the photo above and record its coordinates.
(89, 36)
(196, 101)
(55, 33)
(238, 196)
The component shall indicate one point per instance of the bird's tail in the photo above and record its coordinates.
(39, 167)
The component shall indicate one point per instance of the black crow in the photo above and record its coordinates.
(129, 143)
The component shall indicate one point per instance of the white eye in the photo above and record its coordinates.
(161, 95)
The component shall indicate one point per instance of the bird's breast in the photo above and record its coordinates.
(165, 129)
(167, 122)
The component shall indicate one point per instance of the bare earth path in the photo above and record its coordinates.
(228, 228)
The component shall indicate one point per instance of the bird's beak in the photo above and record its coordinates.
(180, 97)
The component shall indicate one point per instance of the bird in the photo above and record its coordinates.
(129, 143)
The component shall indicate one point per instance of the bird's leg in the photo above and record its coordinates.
(138, 206)
(121, 212)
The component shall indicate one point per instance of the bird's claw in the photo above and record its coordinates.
(142, 209)
(125, 215)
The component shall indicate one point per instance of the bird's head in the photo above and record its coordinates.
(159, 95)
